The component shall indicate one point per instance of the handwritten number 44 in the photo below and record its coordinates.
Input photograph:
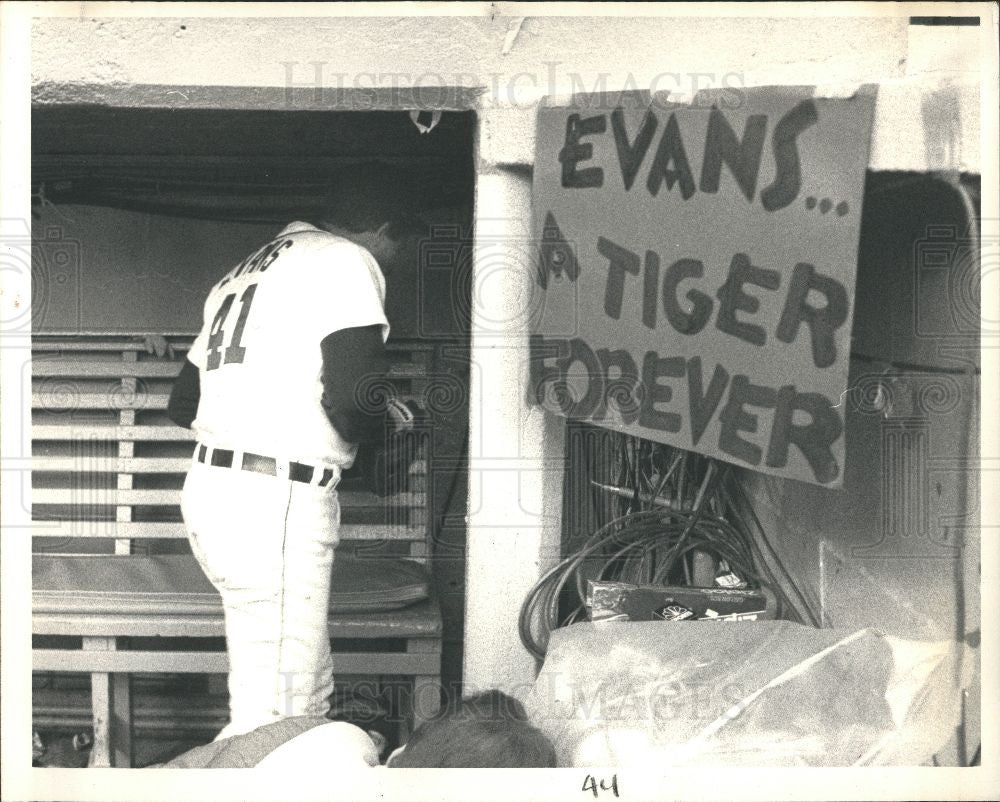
(594, 785)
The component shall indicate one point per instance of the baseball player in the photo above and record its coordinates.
(274, 389)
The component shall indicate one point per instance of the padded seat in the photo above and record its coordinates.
(175, 585)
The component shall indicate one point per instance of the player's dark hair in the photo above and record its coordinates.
(488, 730)
(365, 196)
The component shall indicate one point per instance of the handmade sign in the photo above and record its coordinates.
(696, 270)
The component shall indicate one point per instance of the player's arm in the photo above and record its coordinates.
(351, 358)
(182, 408)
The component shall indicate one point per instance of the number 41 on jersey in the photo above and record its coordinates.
(234, 352)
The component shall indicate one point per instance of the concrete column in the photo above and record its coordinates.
(515, 450)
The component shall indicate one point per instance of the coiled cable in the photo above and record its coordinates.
(653, 539)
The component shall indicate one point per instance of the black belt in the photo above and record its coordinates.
(257, 463)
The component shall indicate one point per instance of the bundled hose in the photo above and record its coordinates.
(651, 541)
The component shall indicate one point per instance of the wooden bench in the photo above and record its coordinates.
(111, 566)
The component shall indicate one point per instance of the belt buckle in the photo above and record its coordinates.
(219, 452)
(258, 463)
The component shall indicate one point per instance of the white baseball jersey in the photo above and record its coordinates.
(258, 352)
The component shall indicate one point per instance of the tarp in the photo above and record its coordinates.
(767, 693)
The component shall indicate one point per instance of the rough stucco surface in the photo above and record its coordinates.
(250, 52)
(927, 115)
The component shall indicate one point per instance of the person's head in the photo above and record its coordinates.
(489, 730)
(369, 205)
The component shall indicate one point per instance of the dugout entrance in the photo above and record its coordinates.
(137, 212)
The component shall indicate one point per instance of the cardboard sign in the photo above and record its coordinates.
(696, 270)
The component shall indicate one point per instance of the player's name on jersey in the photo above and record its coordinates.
(260, 260)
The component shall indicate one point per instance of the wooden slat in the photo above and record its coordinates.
(111, 464)
(151, 465)
(107, 529)
(95, 368)
(421, 620)
(75, 431)
(101, 705)
(105, 496)
(126, 449)
(44, 344)
(96, 342)
(110, 400)
(42, 400)
(217, 662)
(146, 530)
(149, 721)
(99, 496)
(426, 693)
(121, 721)
(163, 369)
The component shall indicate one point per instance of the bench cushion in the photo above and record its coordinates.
(176, 585)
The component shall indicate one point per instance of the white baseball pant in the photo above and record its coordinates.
(266, 543)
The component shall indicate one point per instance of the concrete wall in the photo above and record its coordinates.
(466, 50)
(897, 547)
(927, 116)
(129, 272)
(104, 270)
